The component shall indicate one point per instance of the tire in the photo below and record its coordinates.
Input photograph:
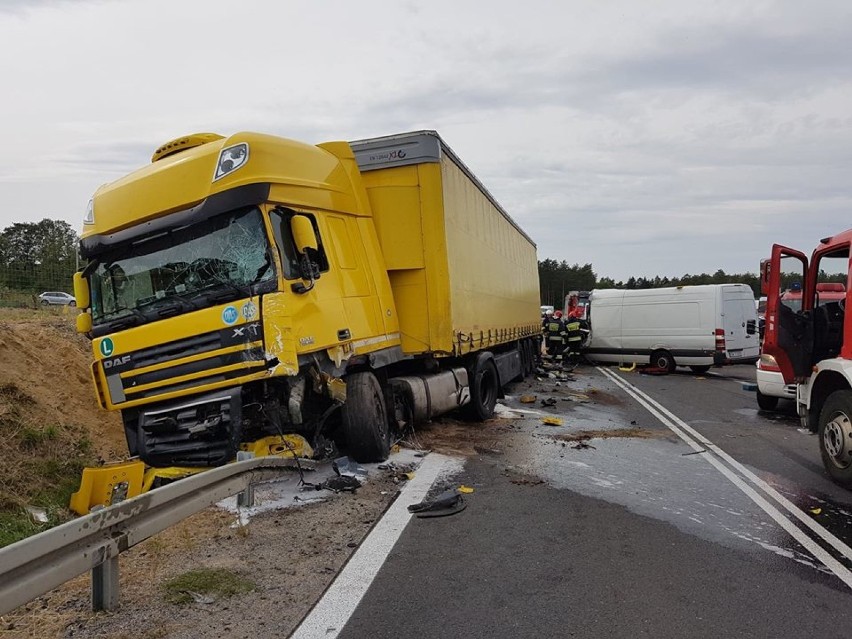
(663, 359)
(835, 437)
(700, 369)
(766, 402)
(484, 388)
(529, 349)
(45, 303)
(523, 354)
(365, 419)
(72, 304)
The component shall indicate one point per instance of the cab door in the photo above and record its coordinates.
(789, 333)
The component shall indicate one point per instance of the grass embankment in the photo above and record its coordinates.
(50, 425)
(43, 463)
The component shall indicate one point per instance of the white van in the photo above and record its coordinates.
(695, 326)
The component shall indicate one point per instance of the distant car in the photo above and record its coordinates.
(57, 298)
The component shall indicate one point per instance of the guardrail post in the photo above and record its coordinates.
(105, 585)
(245, 499)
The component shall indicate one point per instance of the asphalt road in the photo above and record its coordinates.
(637, 534)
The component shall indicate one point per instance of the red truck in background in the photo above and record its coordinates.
(812, 345)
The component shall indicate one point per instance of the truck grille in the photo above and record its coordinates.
(204, 431)
(214, 360)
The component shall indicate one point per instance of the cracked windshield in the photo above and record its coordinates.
(185, 269)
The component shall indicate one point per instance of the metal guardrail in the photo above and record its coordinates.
(37, 564)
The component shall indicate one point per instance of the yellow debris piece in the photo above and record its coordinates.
(409, 475)
(465, 489)
(816, 511)
(552, 421)
(628, 369)
(528, 399)
(107, 485)
(281, 446)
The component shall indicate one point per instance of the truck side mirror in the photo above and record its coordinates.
(303, 233)
(764, 276)
(84, 323)
(81, 291)
(305, 238)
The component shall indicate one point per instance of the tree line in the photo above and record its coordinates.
(42, 256)
(556, 279)
(38, 256)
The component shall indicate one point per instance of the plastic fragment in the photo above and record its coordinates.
(552, 421)
(465, 489)
(816, 511)
(528, 399)
(39, 515)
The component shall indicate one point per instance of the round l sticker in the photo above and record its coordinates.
(107, 347)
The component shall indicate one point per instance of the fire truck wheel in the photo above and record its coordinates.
(835, 436)
(663, 359)
(484, 388)
(766, 402)
(365, 419)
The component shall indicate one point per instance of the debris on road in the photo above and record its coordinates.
(447, 503)
(550, 401)
(582, 444)
(552, 421)
(694, 452)
(465, 490)
(528, 399)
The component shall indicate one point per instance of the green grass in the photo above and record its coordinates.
(215, 582)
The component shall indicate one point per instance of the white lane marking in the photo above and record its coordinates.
(797, 512)
(330, 614)
(675, 425)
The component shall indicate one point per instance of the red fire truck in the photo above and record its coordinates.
(812, 345)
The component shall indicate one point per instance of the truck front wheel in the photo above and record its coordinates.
(835, 437)
(365, 418)
(766, 402)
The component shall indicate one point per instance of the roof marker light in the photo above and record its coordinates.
(89, 217)
(230, 159)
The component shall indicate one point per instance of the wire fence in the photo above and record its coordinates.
(21, 284)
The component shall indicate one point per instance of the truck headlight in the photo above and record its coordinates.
(230, 159)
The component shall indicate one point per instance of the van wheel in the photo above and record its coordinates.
(365, 419)
(700, 369)
(766, 402)
(835, 437)
(484, 387)
(664, 360)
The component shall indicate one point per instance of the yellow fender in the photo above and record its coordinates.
(107, 485)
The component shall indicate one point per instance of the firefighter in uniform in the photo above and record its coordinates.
(554, 334)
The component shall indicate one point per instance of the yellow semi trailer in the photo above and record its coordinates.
(249, 286)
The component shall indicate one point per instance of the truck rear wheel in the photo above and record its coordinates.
(365, 418)
(663, 359)
(835, 437)
(484, 388)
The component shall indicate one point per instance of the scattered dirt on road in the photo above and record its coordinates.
(455, 437)
(583, 435)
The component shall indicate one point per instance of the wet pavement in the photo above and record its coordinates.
(655, 475)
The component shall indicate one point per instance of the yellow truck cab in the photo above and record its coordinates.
(249, 286)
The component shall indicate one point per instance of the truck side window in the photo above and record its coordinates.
(280, 218)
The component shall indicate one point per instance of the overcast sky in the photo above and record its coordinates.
(648, 138)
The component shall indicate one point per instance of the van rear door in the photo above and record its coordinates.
(739, 320)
